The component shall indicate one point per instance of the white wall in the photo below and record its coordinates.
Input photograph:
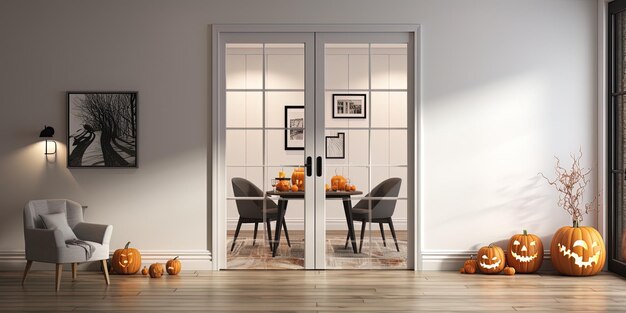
(506, 84)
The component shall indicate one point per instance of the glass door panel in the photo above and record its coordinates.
(366, 154)
(264, 149)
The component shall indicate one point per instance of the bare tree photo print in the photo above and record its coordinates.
(102, 129)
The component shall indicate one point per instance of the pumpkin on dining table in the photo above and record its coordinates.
(490, 259)
(297, 178)
(577, 250)
(525, 252)
(173, 266)
(338, 181)
(126, 261)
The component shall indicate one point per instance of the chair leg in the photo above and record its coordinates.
(286, 233)
(29, 263)
(74, 272)
(382, 233)
(256, 228)
(58, 276)
(393, 233)
(347, 240)
(362, 235)
(106, 272)
(236, 234)
(269, 234)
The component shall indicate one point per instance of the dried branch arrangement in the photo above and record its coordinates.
(571, 186)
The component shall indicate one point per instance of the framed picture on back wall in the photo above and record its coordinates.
(294, 127)
(102, 129)
(349, 106)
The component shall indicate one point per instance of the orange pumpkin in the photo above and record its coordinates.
(339, 181)
(462, 270)
(352, 188)
(509, 270)
(297, 178)
(126, 261)
(144, 271)
(156, 270)
(173, 266)
(294, 188)
(283, 185)
(525, 253)
(577, 250)
(335, 187)
(470, 265)
(490, 259)
(327, 186)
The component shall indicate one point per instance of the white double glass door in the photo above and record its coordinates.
(314, 147)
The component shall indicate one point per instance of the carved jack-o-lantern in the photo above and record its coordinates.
(525, 253)
(126, 261)
(490, 259)
(577, 251)
(156, 270)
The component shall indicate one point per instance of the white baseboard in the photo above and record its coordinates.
(452, 260)
(331, 224)
(14, 260)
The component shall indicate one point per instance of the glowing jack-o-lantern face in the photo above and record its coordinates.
(126, 261)
(490, 259)
(525, 253)
(578, 251)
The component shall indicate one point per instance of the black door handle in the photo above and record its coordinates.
(309, 169)
(319, 166)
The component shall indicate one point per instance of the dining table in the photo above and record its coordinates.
(284, 196)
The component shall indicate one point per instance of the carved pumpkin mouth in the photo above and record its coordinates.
(523, 259)
(578, 260)
(490, 266)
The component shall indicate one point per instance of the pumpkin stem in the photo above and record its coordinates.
(176, 258)
(525, 232)
(576, 223)
(127, 244)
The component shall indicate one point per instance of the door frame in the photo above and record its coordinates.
(217, 191)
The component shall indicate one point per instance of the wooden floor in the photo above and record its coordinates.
(313, 291)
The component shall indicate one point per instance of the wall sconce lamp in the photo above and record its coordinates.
(47, 133)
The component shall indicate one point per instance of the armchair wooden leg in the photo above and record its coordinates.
(382, 233)
(58, 277)
(74, 272)
(106, 272)
(26, 269)
(256, 228)
(393, 233)
(362, 235)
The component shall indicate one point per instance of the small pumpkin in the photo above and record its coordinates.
(327, 186)
(462, 270)
(339, 181)
(126, 261)
(156, 270)
(144, 271)
(509, 270)
(173, 266)
(490, 259)
(294, 188)
(335, 187)
(470, 265)
(283, 185)
(577, 250)
(525, 252)
(297, 178)
(352, 188)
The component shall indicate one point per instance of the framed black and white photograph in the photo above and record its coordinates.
(336, 146)
(102, 129)
(349, 106)
(294, 127)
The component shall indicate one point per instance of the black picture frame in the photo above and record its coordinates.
(354, 101)
(84, 141)
(341, 137)
(294, 138)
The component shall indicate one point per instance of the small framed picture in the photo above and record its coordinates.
(336, 146)
(349, 106)
(294, 127)
(102, 129)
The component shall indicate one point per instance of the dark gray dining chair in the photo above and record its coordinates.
(251, 211)
(380, 210)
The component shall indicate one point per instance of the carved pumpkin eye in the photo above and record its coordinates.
(580, 243)
(494, 258)
(123, 254)
(516, 243)
(485, 257)
(532, 243)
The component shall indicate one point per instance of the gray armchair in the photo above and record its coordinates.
(52, 246)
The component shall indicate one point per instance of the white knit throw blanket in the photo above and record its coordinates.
(89, 248)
